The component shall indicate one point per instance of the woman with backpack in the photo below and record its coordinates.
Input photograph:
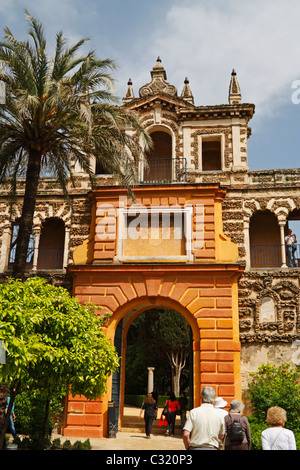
(237, 428)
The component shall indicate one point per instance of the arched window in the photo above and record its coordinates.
(159, 158)
(51, 246)
(265, 245)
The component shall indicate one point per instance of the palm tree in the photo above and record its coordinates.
(59, 111)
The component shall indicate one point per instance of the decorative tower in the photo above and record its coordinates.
(235, 96)
(186, 92)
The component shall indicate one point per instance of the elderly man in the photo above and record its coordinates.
(204, 428)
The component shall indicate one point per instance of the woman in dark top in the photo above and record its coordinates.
(234, 415)
(150, 411)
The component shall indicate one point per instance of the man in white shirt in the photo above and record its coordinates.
(204, 428)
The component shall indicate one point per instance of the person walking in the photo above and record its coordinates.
(11, 425)
(150, 412)
(173, 407)
(237, 428)
(276, 437)
(204, 427)
(154, 394)
(183, 402)
(219, 407)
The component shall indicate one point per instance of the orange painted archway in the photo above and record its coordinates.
(206, 295)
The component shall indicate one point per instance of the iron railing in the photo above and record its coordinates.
(48, 258)
(271, 256)
(164, 170)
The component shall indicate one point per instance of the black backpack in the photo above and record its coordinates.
(235, 433)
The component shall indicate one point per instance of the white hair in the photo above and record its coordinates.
(208, 394)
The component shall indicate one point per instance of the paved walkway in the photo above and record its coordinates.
(132, 436)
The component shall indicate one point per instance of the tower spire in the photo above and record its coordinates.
(129, 95)
(235, 96)
(186, 92)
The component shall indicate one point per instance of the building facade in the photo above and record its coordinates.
(205, 236)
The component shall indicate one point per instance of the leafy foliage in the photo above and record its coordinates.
(52, 341)
(53, 344)
(152, 339)
(276, 385)
(30, 412)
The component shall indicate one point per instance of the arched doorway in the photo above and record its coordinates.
(121, 328)
(265, 244)
(161, 355)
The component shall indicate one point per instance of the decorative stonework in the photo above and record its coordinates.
(281, 286)
(158, 83)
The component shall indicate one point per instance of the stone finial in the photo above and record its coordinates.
(186, 92)
(158, 83)
(235, 96)
(129, 95)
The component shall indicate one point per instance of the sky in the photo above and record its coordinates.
(199, 39)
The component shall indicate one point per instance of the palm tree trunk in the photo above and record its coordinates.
(26, 220)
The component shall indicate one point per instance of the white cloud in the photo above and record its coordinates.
(201, 39)
(206, 40)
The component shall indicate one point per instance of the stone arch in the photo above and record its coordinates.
(159, 166)
(130, 311)
(205, 295)
(51, 244)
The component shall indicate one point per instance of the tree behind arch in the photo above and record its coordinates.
(166, 333)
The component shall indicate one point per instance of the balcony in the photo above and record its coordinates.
(48, 258)
(270, 256)
(164, 170)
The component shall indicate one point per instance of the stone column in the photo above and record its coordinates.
(247, 244)
(150, 379)
(37, 235)
(282, 242)
(66, 247)
(5, 247)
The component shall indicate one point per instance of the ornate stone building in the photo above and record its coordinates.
(226, 272)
